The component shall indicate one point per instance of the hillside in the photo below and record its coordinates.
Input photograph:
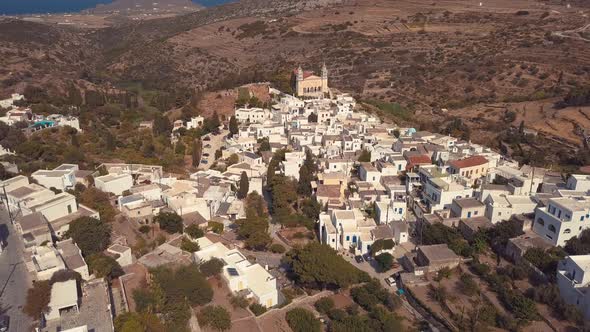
(450, 58)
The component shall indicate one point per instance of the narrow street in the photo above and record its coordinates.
(14, 278)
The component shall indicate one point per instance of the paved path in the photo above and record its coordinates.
(14, 277)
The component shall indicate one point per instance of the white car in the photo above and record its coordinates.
(391, 282)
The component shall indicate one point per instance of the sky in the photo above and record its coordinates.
(15, 7)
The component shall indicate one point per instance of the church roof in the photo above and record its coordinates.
(306, 73)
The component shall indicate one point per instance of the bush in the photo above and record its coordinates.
(90, 234)
(257, 309)
(194, 231)
(211, 267)
(277, 248)
(216, 227)
(144, 229)
(467, 285)
(188, 245)
(302, 320)
(215, 316)
(337, 314)
(170, 222)
(324, 305)
(239, 302)
(104, 266)
(384, 261)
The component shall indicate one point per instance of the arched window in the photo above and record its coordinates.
(354, 239)
(541, 222)
(567, 231)
(552, 228)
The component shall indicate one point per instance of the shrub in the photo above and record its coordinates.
(215, 316)
(170, 222)
(216, 227)
(194, 231)
(324, 305)
(302, 320)
(239, 302)
(257, 309)
(277, 248)
(467, 285)
(384, 261)
(211, 267)
(144, 229)
(337, 314)
(188, 245)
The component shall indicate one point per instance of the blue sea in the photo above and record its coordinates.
(19, 7)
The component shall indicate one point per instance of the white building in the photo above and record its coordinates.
(239, 273)
(58, 179)
(573, 279)
(9, 102)
(501, 207)
(578, 182)
(114, 183)
(562, 219)
(64, 296)
(439, 193)
(195, 122)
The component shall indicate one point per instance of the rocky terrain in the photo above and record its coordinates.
(492, 66)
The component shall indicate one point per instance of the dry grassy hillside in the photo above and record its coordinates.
(477, 62)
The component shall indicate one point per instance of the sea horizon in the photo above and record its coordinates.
(31, 7)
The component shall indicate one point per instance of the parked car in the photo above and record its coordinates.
(205, 154)
(207, 138)
(208, 146)
(204, 161)
(4, 323)
(359, 259)
(391, 282)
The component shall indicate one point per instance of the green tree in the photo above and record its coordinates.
(98, 200)
(215, 316)
(318, 265)
(194, 231)
(104, 266)
(161, 125)
(211, 267)
(324, 305)
(304, 184)
(303, 320)
(38, 298)
(170, 222)
(90, 234)
(233, 159)
(233, 126)
(180, 148)
(365, 156)
(277, 248)
(197, 151)
(264, 145)
(244, 186)
(138, 322)
(188, 245)
(384, 261)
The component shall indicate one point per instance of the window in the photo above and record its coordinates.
(541, 222)
(347, 238)
(582, 218)
(69, 209)
(401, 210)
(552, 228)
(567, 231)
(333, 240)
(559, 214)
(475, 213)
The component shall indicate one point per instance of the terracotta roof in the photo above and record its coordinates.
(469, 162)
(306, 73)
(421, 159)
